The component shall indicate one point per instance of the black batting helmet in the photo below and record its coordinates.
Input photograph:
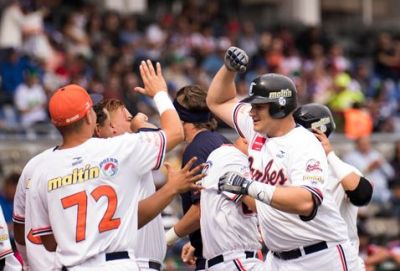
(277, 90)
(316, 116)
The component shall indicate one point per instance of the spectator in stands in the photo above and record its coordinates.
(395, 199)
(357, 122)
(342, 97)
(385, 59)
(7, 197)
(12, 70)
(11, 26)
(338, 62)
(383, 107)
(30, 100)
(374, 167)
(395, 161)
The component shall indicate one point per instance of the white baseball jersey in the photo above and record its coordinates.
(5, 245)
(295, 159)
(6, 251)
(39, 258)
(347, 210)
(87, 196)
(151, 243)
(226, 223)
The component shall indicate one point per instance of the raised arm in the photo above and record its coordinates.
(156, 87)
(221, 97)
(358, 189)
(177, 182)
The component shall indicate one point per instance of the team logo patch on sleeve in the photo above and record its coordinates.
(3, 234)
(109, 167)
(258, 143)
(207, 166)
(313, 165)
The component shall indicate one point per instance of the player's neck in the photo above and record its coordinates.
(191, 134)
(281, 128)
(73, 140)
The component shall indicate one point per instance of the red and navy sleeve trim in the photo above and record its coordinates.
(315, 192)
(42, 231)
(236, 198)
(161, 151)
(5, 253)
(235, 119)
(18, 219)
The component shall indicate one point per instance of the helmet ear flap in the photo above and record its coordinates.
(277, 111)
(283, 107)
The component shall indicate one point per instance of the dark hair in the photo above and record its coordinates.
(71, 127)
(12, 178)
(193, 97)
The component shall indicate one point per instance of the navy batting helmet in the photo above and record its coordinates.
(315, 116)
(277, 90)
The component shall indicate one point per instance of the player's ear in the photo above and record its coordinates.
(90, 117)
(97, 131)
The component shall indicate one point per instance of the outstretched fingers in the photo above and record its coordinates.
(151, 68)
(189, 164)
(159, 71)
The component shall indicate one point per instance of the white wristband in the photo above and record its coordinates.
(163, 102)
(340, 168)
(261, 191)
(171, 236)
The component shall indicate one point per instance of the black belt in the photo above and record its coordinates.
(112, 256)
(155, 265)
(200, 264)
(220, 258)
(296, 253)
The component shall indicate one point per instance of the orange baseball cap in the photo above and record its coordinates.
(69, 104)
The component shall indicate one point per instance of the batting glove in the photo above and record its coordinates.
(236, 59)
(234, 182)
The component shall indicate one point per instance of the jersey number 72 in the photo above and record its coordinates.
(107, 223)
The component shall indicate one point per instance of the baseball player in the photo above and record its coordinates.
(35, 256)
(114, 119)
(299, 222)
(8, 262)
(349, 188)
(198, 127)
(85, 195)
(231, 239)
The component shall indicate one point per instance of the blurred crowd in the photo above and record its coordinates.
(45, 47)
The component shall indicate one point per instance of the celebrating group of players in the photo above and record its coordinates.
(90, 203)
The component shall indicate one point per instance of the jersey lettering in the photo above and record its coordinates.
(269, 176)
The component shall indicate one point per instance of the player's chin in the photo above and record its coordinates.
(257, 126)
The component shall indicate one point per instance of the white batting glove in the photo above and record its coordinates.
(234, 182)
(236, 60)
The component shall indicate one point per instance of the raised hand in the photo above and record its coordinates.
(153, 80)
(236, 59)
(234, 182)
(185, 179)
(323, 139)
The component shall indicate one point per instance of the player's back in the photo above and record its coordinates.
(201, 146)
(91, 194)
(38, 257)
(227, 225)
